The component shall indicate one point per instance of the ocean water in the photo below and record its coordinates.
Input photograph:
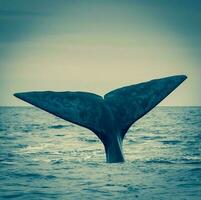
(44, 157)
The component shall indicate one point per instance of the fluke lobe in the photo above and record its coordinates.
(109, 117)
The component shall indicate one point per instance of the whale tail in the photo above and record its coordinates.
(130, 103)
(109, 117)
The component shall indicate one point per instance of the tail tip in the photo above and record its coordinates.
(184, 76)
(181, 78)
(15, 94)
(18, 95)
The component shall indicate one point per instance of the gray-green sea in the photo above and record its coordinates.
(44, 157)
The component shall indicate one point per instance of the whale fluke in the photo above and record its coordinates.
(109, 117)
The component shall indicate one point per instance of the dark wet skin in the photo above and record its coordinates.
(109, 117)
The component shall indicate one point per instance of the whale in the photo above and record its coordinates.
(109, 116)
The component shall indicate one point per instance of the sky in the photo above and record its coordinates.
(98, 46)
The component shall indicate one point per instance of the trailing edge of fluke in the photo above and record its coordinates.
(109, 117)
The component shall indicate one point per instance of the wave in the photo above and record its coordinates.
(58, 126)
(175, 161)
(33, 175)
(160, 161)
(173, 142)
(89, 140)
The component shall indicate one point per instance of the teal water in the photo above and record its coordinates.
(44, 157)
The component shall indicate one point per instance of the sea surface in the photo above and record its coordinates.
(44, 157)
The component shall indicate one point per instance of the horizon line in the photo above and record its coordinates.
(156, 106)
